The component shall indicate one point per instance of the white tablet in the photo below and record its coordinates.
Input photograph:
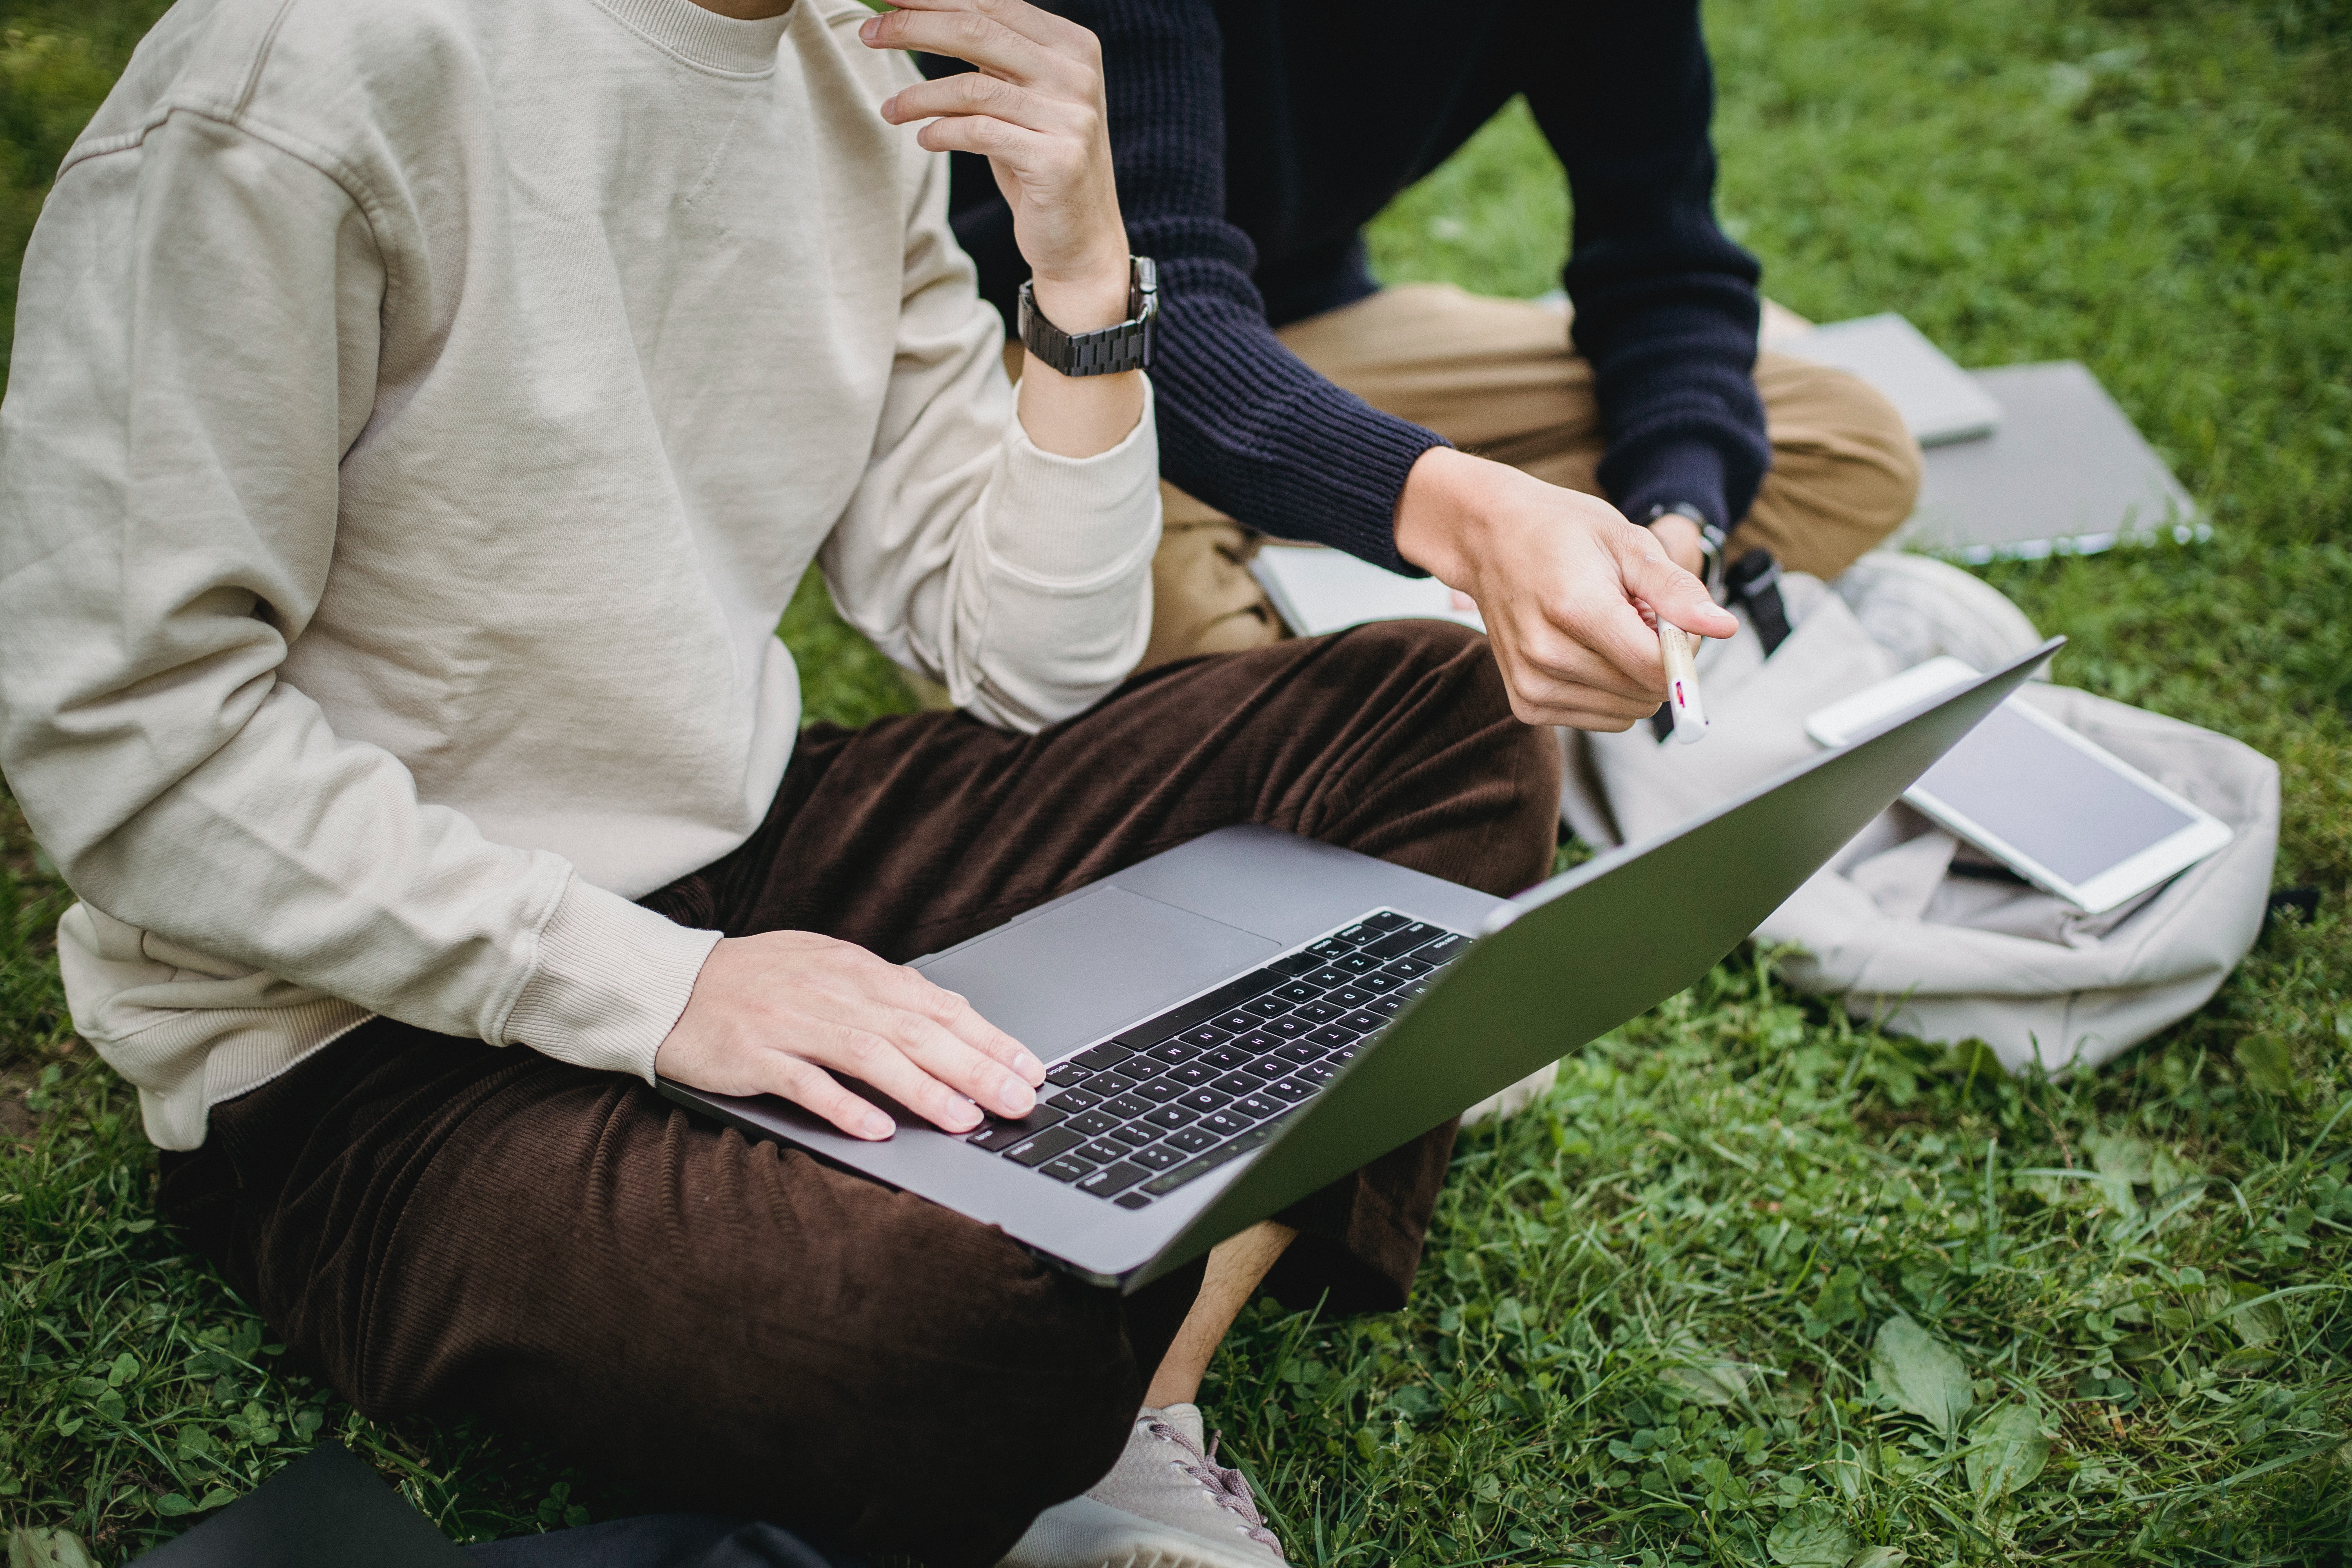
(2063, 813)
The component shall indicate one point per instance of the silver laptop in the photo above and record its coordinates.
(1247, 1017)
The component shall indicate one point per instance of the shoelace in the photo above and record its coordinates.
(1223, 1482)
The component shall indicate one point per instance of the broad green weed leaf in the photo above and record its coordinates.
(2007, 1450)
(1810, 1536)
(1881, 1557)
(2121, 1155)
(47, 1549)
(2268, 1064)
(1922, 1373)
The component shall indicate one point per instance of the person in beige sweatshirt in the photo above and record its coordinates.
(421, 415)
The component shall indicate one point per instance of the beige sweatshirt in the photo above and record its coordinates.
(421, 412)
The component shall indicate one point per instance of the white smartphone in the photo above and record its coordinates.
(2063, 813)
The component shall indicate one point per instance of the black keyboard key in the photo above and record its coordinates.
(1363, 1022)
(1002, 1135)
(1226, 1123)
(1320, 1013)
(1237, 1023)
(1357, 934)
(1318, 1073)
(1342, 1054)
(1300, 1051)
(1332, 947)
(1288, 1090)
(1386, 919)
(1238, 1083)
(1160, 1091)
(1326, 977)
(1118, 1081)
(1350, 996)
(1101, 1152)
(1123, 1108)
(1259, 1106)
(1271, 1006)
(1299, 990)
(1391, 1005)
(1404, 940)
(1410, 989)
(1134, 1134)
(1158, 1158)
(1406, 968)
(1289, 1028)
(1270, 1066)
(1331, 1035)
(1190, 1140)
(1201, 1009)
(1068, 1168)
(1174, 1052)
(1256, 1043)
(1170, 1116)
(1110, 1054)
(1096, 1123)
(1192, 1074)
(1207, 1035)
(1075, 1099)
(1113, 1179)
(1357, 963)
(1192, 1169)
(1202, 1100)
(1226, 1058)
(1044, 1146)
(1444, 949)
(1068, 1073)
(1133, 1201)
(1378, 984)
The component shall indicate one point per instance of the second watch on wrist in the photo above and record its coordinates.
(1127, 346)
(1710, 540)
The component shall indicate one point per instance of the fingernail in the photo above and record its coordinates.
(964, 1112)
(1029, 1067)
(1016, 1096)
(877, 1125)
(871, 29)
(889, 106)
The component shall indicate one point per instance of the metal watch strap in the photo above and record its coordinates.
(1127, 346)
(1710, 540)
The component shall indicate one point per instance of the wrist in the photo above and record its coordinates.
(1447, 499)
(1088, 297)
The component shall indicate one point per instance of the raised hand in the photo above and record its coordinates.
(769, 1014)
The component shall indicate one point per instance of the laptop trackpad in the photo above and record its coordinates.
(1096, 963)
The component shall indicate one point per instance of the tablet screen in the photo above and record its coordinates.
(2047, 800)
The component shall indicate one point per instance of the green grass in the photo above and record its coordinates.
(1655, 1322)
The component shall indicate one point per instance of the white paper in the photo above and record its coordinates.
(1316, 590)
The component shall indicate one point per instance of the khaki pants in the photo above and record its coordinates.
(1497, 377)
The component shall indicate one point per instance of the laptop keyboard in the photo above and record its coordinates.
(1173, 1098)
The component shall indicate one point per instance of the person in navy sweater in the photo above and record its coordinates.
(1298, 398)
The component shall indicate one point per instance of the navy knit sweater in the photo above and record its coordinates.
(1254, 138)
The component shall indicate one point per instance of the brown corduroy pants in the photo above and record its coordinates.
(730, 1325)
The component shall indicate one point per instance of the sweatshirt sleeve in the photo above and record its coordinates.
(1666, 305)
(1019, 579)
(196, 348)
(1244, 424)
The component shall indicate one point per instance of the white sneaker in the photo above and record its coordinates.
(1513, 1098)
(1166, 1504)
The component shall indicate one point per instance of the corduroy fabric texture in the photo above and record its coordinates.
(1254, 140)
(732, 1326)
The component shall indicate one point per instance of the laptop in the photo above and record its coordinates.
(1242, 1020)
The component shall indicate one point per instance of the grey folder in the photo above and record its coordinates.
(2066, 473)
(1939, 401)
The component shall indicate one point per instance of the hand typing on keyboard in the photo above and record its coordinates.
(771, 1013)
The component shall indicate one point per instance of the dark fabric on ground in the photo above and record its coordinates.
(660, 1541)
(732, 1327)
(1253, 139)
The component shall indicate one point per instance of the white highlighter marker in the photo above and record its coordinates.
(1681, 650)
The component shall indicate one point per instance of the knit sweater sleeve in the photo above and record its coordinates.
(1243, 425)
(1665, 304)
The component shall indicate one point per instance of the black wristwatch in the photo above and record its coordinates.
(1127, 346)
(1710, 540)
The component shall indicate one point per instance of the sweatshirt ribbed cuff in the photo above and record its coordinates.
(1671, 473)
(1065, 524)
(612, 978)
